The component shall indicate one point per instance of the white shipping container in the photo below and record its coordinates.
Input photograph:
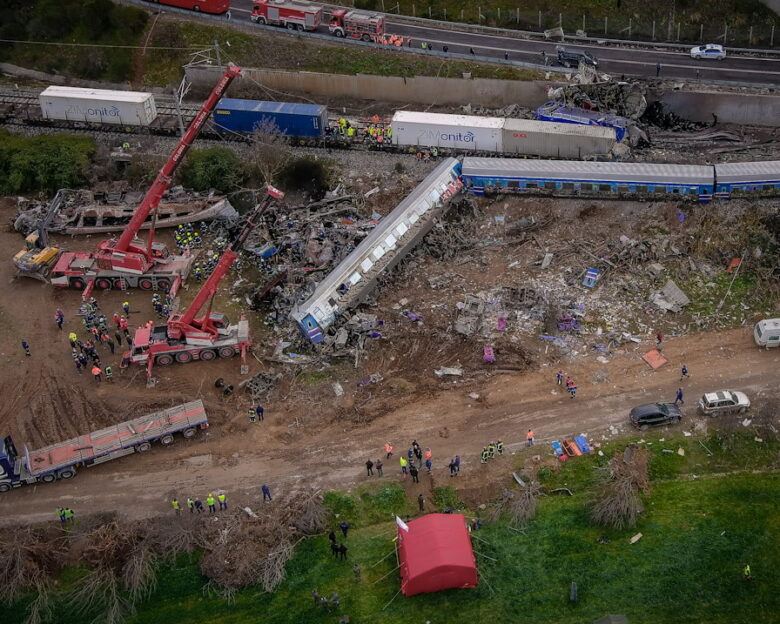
(125, 108)
(550, 139)
(453, 131)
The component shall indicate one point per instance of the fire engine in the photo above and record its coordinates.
(357, 25)
(187, 336)
(294, 14)
(126, 262)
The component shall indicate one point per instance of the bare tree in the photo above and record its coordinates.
(618, 503)
(270, 150)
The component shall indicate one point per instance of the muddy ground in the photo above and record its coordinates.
(311, 436)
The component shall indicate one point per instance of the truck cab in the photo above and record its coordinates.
(767, 333)
(9, 465)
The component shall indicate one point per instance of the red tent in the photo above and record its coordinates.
(436, 554)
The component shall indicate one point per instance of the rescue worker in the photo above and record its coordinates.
(530, 437)
(485, 455)
(252, 415)
(350, 133)
(266, 492)
(68, 514)
(211, 503)
(492, 450)
(61, 514)
(404, 464)
(198, 505)
(378, 465)
(500, 447)
(26, 348)
(190, 505)
(370, 468)
(434, 152)
(222, 498)
(109, 373)
(176, 506)
(73, 338)
(97, 373)
(746, 573)
(126, 307)
(388, 450)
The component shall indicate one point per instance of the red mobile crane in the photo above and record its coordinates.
(126, 262)
(187, 336)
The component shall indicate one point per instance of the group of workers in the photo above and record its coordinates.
(195, 505)
(375, 131)
(187, 237)
(493, 449)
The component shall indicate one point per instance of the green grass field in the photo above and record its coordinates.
(700, 527)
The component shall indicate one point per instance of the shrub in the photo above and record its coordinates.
(43, 163)
(217, 167)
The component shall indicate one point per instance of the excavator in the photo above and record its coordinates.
(196, 334)
(126, 262)
(37, 258)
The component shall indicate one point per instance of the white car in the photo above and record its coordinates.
(709, 51)
(724, 401)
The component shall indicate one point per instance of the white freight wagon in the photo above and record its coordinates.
(549, 139)
(123, 108)
(474, 134)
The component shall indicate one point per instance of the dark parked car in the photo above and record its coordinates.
(655, 414)
(569, 57)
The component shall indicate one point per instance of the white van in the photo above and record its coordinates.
(767, 333)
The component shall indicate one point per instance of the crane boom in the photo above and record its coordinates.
(181, 324)
(122, 254)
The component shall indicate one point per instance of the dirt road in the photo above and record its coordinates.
(333, 457)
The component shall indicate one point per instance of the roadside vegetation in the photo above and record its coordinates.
(708, 508)
(72, 21)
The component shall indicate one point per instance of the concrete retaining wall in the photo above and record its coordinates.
(417, 90)
(752, 109)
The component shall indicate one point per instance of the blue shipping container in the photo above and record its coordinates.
(304, 120)
(552, 111)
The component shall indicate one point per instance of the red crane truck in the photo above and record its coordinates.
(187, 336)
(126, 263)
(60, 460)
(293, 14)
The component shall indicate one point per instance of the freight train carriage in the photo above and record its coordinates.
(507, 175)
(497, 135)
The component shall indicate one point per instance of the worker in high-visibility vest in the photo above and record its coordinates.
(485, 455)
(222, 498)
(500, 446)
(351, 132)
(176, 506)
(109, 373)
(211, 503)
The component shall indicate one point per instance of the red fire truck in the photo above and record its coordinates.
(206, 6)
(127, 262)
(357, 25)
(293, 14)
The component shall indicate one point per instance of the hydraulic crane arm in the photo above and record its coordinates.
(162, 182)
(179, 324)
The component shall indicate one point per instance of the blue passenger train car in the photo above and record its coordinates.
(508, 175)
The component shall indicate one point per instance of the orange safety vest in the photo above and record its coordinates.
(388, 448)
(530, 435)
(96, 370)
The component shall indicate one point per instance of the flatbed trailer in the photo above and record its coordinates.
(60, 460)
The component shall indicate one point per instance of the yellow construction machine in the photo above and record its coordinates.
(37, 258)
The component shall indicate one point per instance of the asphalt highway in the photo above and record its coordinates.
(614, 60)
